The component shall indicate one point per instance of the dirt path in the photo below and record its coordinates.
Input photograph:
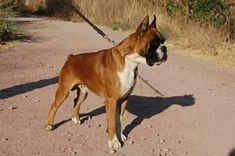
(196, 117)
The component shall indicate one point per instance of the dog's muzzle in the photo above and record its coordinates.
(157, 56)
(162, 53)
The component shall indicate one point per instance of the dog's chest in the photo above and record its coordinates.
(127, 78)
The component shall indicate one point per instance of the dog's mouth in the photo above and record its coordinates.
(156, 56)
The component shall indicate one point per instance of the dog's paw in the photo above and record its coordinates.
(123, 137)
(48, 127)
(114, 143)
(76, 120)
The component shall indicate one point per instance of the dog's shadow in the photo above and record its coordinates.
(146, 107)
(142, 107)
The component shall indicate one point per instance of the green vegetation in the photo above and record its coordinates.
(7, 28)
(40, 10)
(214, 12)
(119, 26)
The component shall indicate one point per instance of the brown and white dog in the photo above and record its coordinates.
(110, 73)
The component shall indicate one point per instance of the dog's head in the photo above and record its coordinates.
(149, 46)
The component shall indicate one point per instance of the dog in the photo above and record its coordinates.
(111, 74)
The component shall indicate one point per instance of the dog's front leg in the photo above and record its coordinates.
(111, 109)
(123, 107)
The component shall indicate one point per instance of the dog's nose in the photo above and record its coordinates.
(164, 49)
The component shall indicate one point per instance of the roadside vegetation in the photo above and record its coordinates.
(206, 26)
(7, 28)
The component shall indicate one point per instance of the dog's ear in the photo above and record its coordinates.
(153, 24)
(143, 27)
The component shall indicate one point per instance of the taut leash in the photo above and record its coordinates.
(105, 36)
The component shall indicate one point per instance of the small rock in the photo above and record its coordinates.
(161, 141)
(12, 107)
(25, 96)
(50, 66)
(149, 126)
(99, 125)
(69, 139)
(143, 138)
(170, 153)
(37, 100)
(165, 149)
(131, 142)
(89, 126)
(178, 141)
(158, 134)
(5, 139)
(151, 150)
(74, 153)
(112, 151)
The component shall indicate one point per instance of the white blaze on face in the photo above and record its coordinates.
(160, 52)
(127, 75)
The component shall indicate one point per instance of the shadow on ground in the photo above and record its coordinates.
(146, 107)
(232, 152)
(23, 36)
(142, 107)
(26, 87)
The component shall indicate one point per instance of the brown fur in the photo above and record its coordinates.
(98, 71)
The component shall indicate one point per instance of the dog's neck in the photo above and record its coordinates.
(127, 46)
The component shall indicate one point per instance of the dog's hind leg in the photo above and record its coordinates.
(62, 93)
(81, 96)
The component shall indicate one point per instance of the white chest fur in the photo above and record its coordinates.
(127, 77)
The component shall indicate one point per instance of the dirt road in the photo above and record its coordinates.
(196, 117)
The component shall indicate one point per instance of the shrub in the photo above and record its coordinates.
(7, 28)
(214, 12)
(211, 11)
(119, 25)
(40, 10)
(60, 8)
(173, 8)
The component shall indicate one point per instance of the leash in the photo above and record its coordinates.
(105, 36)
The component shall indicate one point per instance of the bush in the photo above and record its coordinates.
(7, 28)
(215, 12)
(173, 8)
(60, 8)
(119, 26)
(40, 10)
(211, 11)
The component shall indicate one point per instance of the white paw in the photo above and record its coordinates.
(123, 137)
(76, 120)
(114, 143)
(48, 127)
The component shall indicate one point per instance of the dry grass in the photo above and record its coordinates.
(126, 14)
(207, 40)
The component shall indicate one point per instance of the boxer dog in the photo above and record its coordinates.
(111, 74)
